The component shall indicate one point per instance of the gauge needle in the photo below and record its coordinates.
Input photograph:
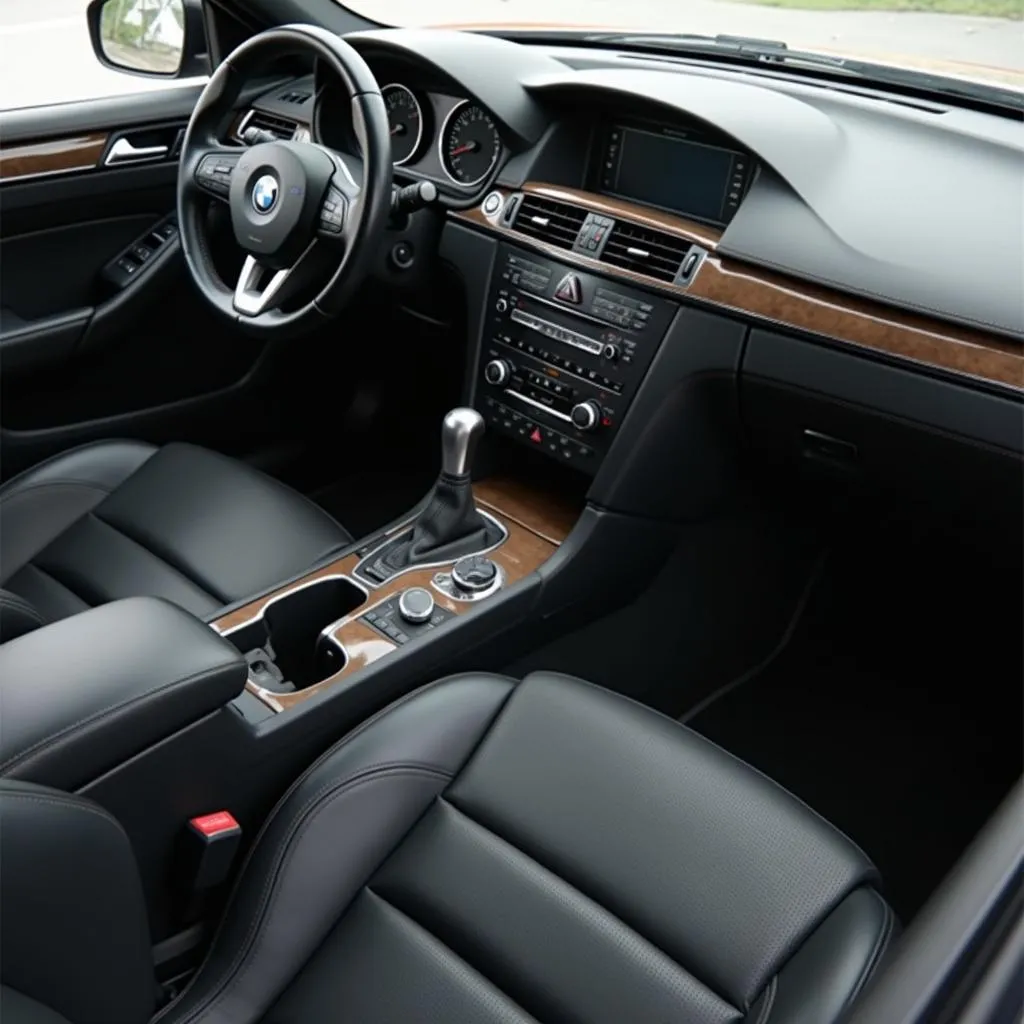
(399, 129)
(466, 147)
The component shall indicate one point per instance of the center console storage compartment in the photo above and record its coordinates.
(288, 646)
(87, 693)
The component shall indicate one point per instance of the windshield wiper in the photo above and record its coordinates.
(775, 52)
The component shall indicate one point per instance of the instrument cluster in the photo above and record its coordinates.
(452, 141)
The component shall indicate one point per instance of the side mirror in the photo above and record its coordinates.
(154, 38)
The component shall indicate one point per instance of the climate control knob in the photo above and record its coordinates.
(498, 372)
(586, 415)
(501, 305)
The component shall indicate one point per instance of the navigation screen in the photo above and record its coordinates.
(676, 174)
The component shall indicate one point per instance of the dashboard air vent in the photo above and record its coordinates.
(549, 220)
(644, 251)
(295, 97)
(279, 126)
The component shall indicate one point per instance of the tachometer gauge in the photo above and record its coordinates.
(470, 144)
(405, 121)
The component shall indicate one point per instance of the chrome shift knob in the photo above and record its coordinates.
(460, 432)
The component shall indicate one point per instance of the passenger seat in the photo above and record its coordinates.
(481, 851)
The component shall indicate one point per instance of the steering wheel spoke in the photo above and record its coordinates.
(214, 170)
(260, 288)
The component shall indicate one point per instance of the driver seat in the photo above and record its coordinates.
(119, 519)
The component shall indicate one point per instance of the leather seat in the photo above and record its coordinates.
(124, 519)
(480, 851)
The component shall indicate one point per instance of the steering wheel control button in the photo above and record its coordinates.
(214, 173)
(492, 203)
(332, 215)
(474, 573)
(416, 605)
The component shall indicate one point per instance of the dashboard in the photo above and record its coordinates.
(617, 193)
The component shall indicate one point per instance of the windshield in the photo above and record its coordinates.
(981, 40)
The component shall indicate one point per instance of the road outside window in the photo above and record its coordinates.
(46, 56)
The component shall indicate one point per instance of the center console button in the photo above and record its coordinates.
(474, 573)
(416, 604)
(497, 372)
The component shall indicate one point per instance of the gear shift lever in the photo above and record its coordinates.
(460, 432)
(449, 526)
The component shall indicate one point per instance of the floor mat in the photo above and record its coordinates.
(895, 711)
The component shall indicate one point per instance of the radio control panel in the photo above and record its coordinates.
(564, 352)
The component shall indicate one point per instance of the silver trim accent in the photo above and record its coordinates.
(569, 337)
(444, 584)
(123, 152)
(419, 134)
(411, 616)
(422, 565)
(440, 147)
(632, 250)
(287, 593)
(538, 405)
(541, 222)
(248, 299)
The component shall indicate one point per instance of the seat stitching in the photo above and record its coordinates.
(592, 899)
(17, 603)
(56, 801)
(881, 942)
(304, 819)
(37, 749)
(426, 931)
(769, 1000)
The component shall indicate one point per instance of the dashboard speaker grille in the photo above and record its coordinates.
(645, 251)
(549, 220)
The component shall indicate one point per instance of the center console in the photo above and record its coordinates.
(564, 353)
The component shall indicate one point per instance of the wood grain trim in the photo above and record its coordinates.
(546, 515)
(524, 551)
(54, 156)
(789, 302)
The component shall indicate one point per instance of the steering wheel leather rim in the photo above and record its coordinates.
(208, 126)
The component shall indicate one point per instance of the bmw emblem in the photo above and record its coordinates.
(264, 193)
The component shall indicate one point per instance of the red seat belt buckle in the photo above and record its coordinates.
(211, 842)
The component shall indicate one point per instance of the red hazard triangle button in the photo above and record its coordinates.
(569, 290)
(535, 437)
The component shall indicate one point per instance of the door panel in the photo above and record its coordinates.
(90, 351)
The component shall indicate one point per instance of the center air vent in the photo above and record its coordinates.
(549, 221)
(645, 251)
(278, 126)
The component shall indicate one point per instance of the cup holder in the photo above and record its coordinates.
(285, 646)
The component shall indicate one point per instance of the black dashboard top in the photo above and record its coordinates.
(915, 205)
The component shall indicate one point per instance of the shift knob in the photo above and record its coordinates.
(460, 432)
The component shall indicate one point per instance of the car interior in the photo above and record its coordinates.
(507, 527)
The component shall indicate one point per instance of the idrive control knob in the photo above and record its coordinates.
(498, 372)
(586, 415)
(474, 573)
(416, 604)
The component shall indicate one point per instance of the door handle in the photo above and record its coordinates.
(123, 152)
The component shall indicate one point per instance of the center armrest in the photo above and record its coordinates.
(82, 695)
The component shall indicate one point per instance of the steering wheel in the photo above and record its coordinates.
(297, 208)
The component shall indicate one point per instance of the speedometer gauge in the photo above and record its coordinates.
(470, 144)
(405, 122)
